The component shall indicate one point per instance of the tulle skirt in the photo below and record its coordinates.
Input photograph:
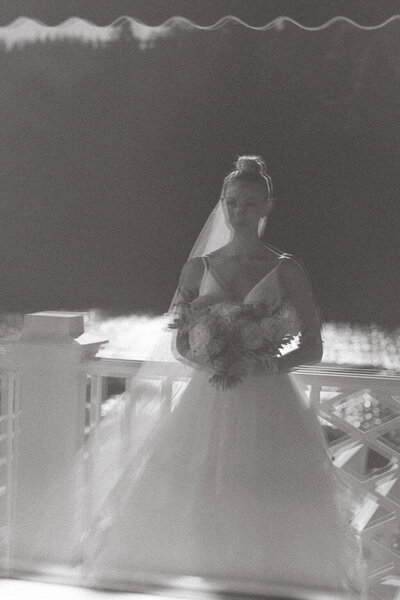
(236, 487)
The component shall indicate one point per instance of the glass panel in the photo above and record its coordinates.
(391, 439)
(363, 410)
(390, 490)
(365, 463)
(378, 560)
(333, 434)
(390, 540)
(388, 590)
(112, 398)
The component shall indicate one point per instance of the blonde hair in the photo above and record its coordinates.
(251, 169)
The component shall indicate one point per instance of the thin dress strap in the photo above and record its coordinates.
(206, 261)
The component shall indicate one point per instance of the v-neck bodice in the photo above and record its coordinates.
(266, 290)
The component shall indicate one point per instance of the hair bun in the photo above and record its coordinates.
(251, 164)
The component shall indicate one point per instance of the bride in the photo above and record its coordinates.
(234, 490)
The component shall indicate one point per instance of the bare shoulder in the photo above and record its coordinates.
(292, 272)
(290, 265)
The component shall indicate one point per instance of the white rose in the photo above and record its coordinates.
(226, 311)
(199, 337)
(251, 334)
(270, 328)
(214, 347)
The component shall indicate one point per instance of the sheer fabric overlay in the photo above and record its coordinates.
(234, 486)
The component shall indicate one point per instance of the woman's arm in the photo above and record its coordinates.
(188, 290)
(296, 288)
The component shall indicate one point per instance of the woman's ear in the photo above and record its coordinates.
(261, 226)
(269, 205)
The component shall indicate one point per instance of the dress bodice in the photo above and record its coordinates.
(267, 290)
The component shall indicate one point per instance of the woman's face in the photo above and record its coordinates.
(244, 205)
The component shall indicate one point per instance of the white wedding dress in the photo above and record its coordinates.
(236, 489)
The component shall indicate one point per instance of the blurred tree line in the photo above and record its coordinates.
(112, 156)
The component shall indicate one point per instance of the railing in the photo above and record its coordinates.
(359, 411)
(108, 393)
(51, 375)
(9, 413)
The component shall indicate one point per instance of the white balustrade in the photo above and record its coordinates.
(360, 412)
(47, 435)
(54, 393)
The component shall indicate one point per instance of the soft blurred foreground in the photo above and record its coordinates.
(134, 337)
(14, 589)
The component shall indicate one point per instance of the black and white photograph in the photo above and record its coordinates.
(199, 309)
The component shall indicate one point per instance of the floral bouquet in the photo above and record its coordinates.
(235, 339)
